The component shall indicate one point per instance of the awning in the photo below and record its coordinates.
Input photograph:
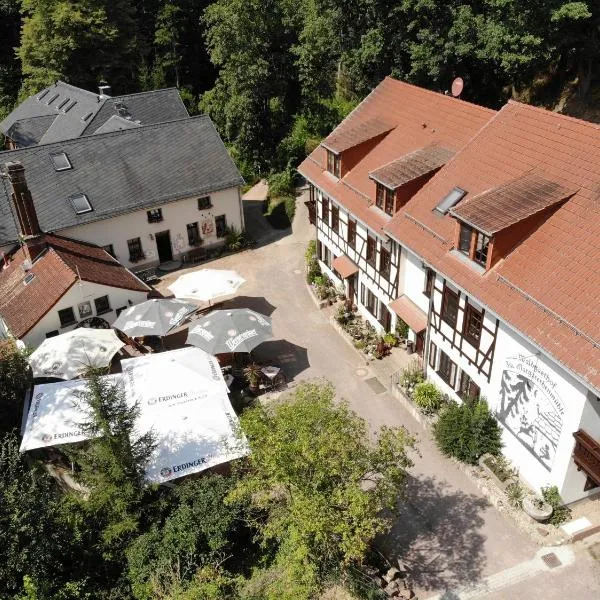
(410, 313)
(344, 266)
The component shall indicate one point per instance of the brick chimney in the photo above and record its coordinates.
(23, 203)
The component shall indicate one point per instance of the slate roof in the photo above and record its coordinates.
(120, 172)
(55, 271)
(420, 118)
(28, 132)
(411, 166)
(148, 108)
(510, 203)
(548, 288)
(116, 123)
(79, 112)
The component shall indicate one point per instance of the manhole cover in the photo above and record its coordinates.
(551, 560)
(362, 372)
(375, 385)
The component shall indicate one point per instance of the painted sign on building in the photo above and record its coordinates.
(530, 407)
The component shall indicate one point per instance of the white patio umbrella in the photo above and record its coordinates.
(69, 355)
(206, 285)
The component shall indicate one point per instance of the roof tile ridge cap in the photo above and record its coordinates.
(440, 94)
(109, 260)
(73, 87)
(552, 113)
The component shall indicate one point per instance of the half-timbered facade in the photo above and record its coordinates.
(491, 229)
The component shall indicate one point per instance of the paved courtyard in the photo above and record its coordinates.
(448, 534)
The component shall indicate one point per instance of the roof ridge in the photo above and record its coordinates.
(552, 113)
(43, 147)
(439, 94)
(142, 93)
(50, 116)
(73, 87)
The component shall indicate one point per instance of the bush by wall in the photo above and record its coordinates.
(467, 431)
(428, 397)
(290, 207)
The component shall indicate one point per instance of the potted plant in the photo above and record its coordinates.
(537, 508)
(252, 375)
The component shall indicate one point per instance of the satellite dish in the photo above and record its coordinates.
(457, 87)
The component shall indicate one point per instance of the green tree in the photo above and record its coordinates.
(15, 379)
(32, 541)
(111, 467)
(321, 482)
(10, 69)
(195, 532)
(81, 41)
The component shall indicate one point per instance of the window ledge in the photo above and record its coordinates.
(467, 261)
(103, 312)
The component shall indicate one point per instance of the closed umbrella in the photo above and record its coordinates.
(207, 284)
(235, 330)
(69, 355)
(153, 317)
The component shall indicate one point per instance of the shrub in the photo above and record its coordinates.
(401, 329)
(428, 398)
(390, 339)
(560, 513)
(234, 239)
(281, 184)
(411, 376)
(467, 431)
(310, 254)
(290, 207)
(501, 467)
(515, 494)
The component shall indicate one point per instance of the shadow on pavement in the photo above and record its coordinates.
(255, 303)
(437, 535)
(293, 359)
(257, 226)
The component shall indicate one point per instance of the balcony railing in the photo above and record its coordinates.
(586, 455)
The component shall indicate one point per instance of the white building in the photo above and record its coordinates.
(494, 228)
(148, 194)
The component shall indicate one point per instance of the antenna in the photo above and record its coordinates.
(457, 87)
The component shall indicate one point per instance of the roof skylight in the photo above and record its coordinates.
(63, 103)
(52, 99)
(80, 204)
(450, 200)
(69, 106)
(44, 93)
(61, 161)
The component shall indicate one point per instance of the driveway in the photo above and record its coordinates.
(447, 533)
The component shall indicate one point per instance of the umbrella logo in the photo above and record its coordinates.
(152, 401)
(231, 332)
(46, 437)
(55, 366)
(165, 472)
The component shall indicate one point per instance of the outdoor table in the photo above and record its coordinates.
(270, 372)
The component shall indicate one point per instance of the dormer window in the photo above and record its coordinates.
(474, 244)
(334, 163)
(384, 198)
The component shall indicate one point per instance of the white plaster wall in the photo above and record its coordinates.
(176, 215)
(81, 292)
(412, 279)
(556, 387)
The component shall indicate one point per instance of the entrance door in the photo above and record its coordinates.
(352, 288)
(420, 343)
(386, 318)
(163, 245)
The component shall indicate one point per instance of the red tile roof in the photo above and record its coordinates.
(548, 288)
(354, 132)
(411, 166)
(420, 118)
(496, 209)
(60, 265)
(344, 266)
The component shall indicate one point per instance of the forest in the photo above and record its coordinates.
(277, 75)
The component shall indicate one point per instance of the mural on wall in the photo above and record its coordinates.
(530, 408)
